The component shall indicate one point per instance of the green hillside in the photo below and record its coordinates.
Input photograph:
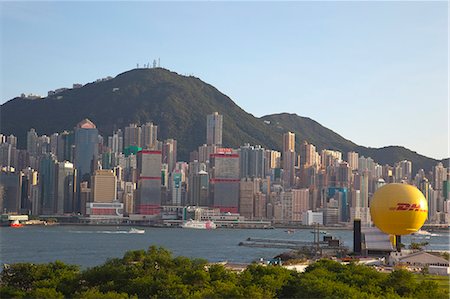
(178, 105)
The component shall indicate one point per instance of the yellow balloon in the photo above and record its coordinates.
(398, 209)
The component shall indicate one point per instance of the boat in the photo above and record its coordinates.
(423, 233)
(196, 224)
(16, 223)
(136, 231)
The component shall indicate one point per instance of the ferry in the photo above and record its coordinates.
(16, 223)
(199, 224)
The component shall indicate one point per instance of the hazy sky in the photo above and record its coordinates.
(374, 72)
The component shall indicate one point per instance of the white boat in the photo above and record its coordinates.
(136, 231)
(423, 233)
(199, 224)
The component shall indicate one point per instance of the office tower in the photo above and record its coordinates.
(104, 186)
(214, 123)
(132, 136)
(224, 181)
(65, 187)
(47, 181)
(86, 149)
(252, 161)
(149, 137)
(300, 203)
(115, 142)
(352, 159)
(85, 154)
(169, 153)
(32, 142)
(260, 203)
(10, 192)
(176, 187)
(341, 197)
(66, 146)
(149, 182)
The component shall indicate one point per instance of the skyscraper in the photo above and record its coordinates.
(149, 182)
(132, 136)
(224, 181)
(214, 124)
(86, 149)
(149, 137)
(86, 152)
(289, 159)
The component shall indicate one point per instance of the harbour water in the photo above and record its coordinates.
(88, 246)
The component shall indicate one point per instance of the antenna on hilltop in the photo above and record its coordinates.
(154, 63)
(137, 65)
(159, 62)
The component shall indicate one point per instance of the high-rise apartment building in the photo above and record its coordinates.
(169, 153)
(214, 123)
(352, 159)
(132, 136)
(252, 161)
(289, 158)
(32, 142)
(149, 137)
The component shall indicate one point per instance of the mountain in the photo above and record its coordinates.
(178, 105)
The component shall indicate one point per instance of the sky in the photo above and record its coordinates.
(374, 72)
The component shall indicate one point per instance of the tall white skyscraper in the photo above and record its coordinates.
(214, 123)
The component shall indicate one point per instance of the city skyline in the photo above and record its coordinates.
(318, 53)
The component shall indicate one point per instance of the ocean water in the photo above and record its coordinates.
(88, 246)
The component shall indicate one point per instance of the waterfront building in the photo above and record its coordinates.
(176, 188)
(149, 182)
(10, 192)
(311, 218)
(300, 203)
(104, 186)
(47, 181)
(224, 180)
(198, 184)
(214, 124)
(65, 187)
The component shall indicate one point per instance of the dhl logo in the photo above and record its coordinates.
(408, 207)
